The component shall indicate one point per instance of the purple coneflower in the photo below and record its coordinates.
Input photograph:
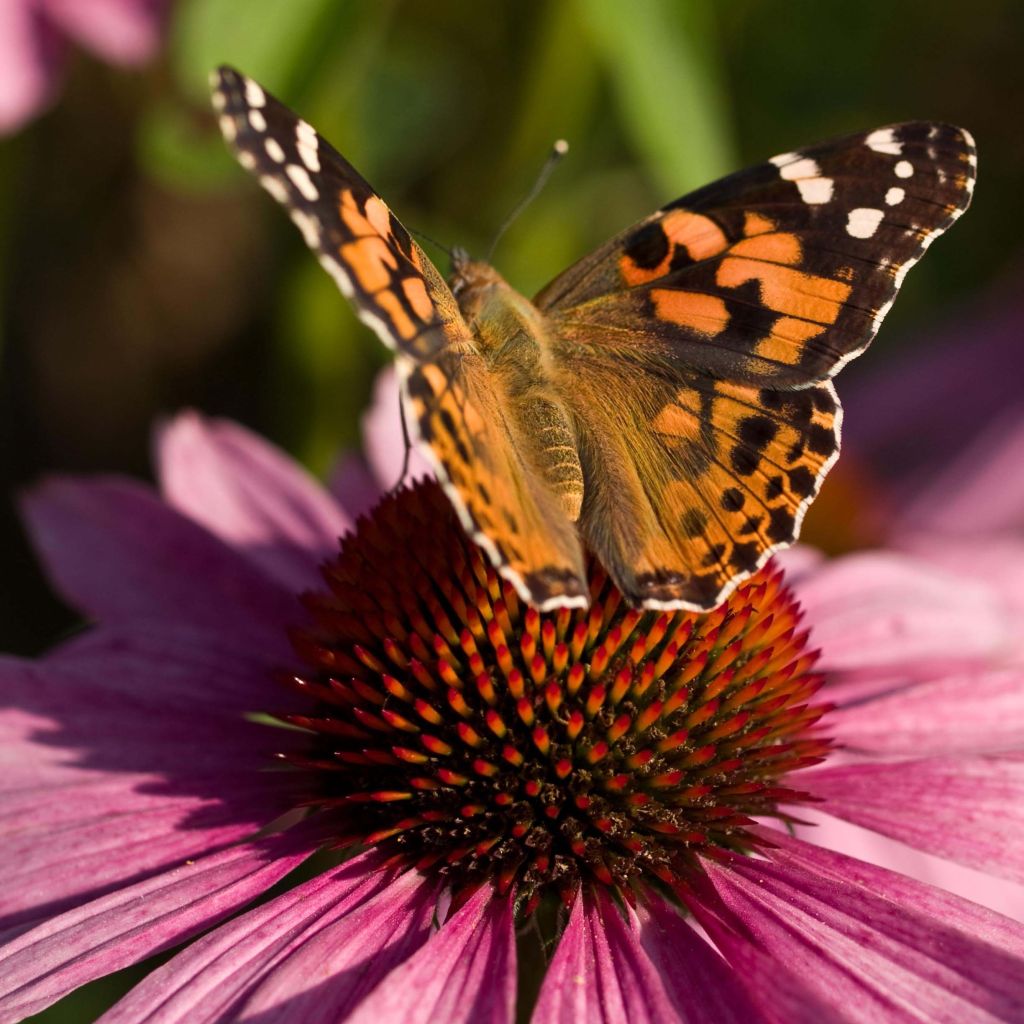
(584, 811)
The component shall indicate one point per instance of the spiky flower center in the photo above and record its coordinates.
(471, 734)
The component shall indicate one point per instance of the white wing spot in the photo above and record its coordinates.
(219, 100)
(904, 169)
(247, 159)
(257, 121)
(228, 128)
(301, 180)
(274, 150)
(254, 95)
(306, 142)
(814, 191)
(274, 186)
(341, 279)
(863, 222)
(884, 141)
(895, 196)
(806, 175)
(308, 226)
(783, 158)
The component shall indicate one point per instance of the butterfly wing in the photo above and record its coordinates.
(717, 323)
(456, 407)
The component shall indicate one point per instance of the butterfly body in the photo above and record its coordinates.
(667, 402)
(516, 342)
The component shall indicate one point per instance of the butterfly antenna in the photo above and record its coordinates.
(558, 150)
(433, 241)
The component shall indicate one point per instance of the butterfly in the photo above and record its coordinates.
(667, 402)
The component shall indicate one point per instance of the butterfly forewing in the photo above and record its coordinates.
(359, 241)
(781, 273)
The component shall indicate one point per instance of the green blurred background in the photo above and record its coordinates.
(143, 271)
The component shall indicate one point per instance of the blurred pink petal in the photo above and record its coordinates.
(885, 612)
(466, 974)
(353, 485)
(251, 495)
(30, 58)
(120, 31)
(972, 712)
(382, 436)
(980, 492)
(969, 810)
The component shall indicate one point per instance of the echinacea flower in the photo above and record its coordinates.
(585, 786)
(33, 41)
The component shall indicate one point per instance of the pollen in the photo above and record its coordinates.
(466, 733)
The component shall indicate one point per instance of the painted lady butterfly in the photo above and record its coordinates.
(668, 398)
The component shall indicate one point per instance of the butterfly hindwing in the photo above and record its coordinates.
(462, 412)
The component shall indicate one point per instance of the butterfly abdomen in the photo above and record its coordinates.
(512, 336)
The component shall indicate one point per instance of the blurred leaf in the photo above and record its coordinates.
(661, 57)
(176, 150)
(269, 40)
(326, 361)
(563, 65)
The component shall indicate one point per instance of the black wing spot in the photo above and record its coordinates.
(648, 247)
(821, 440)
(732, 499)
(693, 522)
(758, 432)
(781, 525)
(743, 460)
(801, 481)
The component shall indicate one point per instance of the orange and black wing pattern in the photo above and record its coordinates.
(781, 273)
(393, 285)
(717, 324)
(457, 409)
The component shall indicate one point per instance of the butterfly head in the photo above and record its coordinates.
(473, 282)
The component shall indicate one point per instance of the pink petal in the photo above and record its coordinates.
(120, 31)
(997, 894)
(997, 562)
(195, 671)
(116, 552)
(884, 612)
(466, 974)
(382, 435)
(601, 974)
(704, 988)
(251, 495)
(30, 59)
(354, 486)
(310, 955)
(867, 950)
(132, 923)
(970, 712)
(968, 809)
(110, 843)
(63, 727)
